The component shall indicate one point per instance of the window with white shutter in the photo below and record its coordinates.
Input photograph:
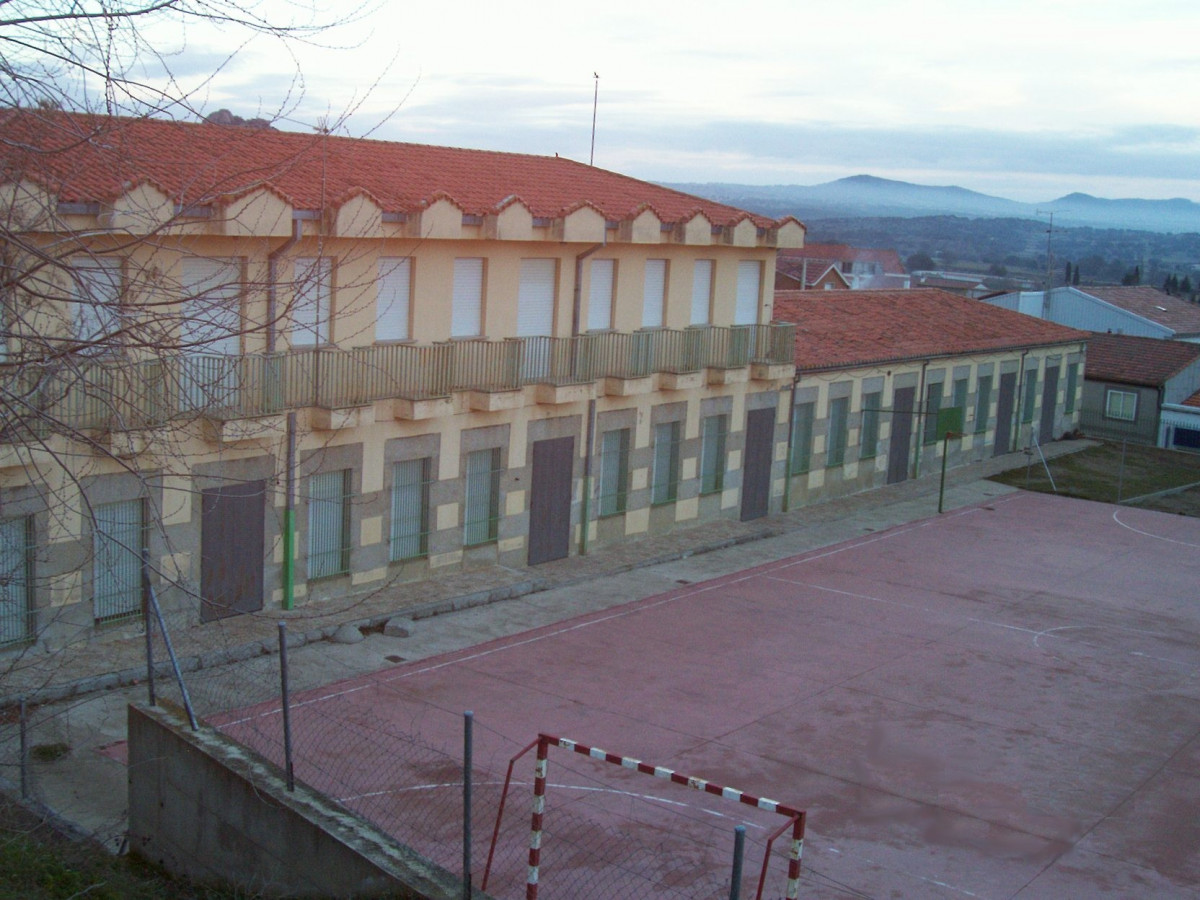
(392, 297)
(466, 307)
(535, 297)
(600, 294)
(311, 302)
(654, 293)
(702, 279)
(749, 290)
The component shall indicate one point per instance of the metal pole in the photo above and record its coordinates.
(147, 626)
(468, 741)
(162, 626)
(1121, 472)
(286, 704)
(289, 515)
(24, 751)
(739, 849)
(595, 104)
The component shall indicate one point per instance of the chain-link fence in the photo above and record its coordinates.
(396, 757)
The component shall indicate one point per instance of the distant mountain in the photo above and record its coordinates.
(870, 197)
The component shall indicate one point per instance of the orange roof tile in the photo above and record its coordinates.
(1143, 361)
(88, 159)
(1150, 303)
(846, 329)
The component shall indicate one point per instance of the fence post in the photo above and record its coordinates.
(468, 742)
(147, 626)
(1121, 471)
(286, 706)
(739, 851)
(24, 763)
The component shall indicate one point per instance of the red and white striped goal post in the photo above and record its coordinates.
(795, 817)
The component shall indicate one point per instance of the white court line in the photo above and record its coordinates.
(1037, 633)
(724, 581)
(1117, 518)
(457, 785)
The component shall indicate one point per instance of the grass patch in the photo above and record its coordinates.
(36, 863)
(1110, 473)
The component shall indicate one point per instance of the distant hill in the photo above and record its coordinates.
(869, 197)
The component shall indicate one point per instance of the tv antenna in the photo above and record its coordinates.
(595, 101)
(1049, 250)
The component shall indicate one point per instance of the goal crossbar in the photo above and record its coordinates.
(795, 818)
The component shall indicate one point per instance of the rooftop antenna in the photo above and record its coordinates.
(1049, 250)
(595, 101)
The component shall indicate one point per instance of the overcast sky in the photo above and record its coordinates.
(1025, 99)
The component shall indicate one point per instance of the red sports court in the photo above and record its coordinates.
(1001, 701)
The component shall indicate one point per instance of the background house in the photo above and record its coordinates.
(1132, 310)
(882, 375)
(291, 366)
(1140, 389)
(862, 268)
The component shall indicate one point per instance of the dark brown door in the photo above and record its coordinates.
(900, 444)
(756, 471)
(550, 500)
(1004, 413)
(231, 549)
(1049, 398)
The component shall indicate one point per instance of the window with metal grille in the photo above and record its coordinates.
(329, 524)
(664, 484)
(1031, 395)
(961, 388)
(868, 435)
(614, 471)
(118, 539)
(802, 437)
(933, 405)
(1072, 386)
(983, 403)
(481, 511)
(1120, 405)
(16, 581)
(713, 430)
(839, 410)
(311, 303)
(410, 508)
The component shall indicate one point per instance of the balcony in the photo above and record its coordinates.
(122, 395)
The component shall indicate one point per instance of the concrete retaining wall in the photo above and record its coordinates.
(206, 808)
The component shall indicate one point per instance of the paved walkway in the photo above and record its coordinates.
(103, 664)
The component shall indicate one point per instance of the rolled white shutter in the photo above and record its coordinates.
(654, 291)
(466, 314)
(535, 297)
(392, 299)
(600, 294)
(749, 283)
(701, 291)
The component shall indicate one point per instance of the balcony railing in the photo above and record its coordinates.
(113, 395)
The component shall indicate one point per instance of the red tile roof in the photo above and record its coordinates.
(846, 329)
(87, 159)
(1137, 360)
(1193, 400)
(1150, 303)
